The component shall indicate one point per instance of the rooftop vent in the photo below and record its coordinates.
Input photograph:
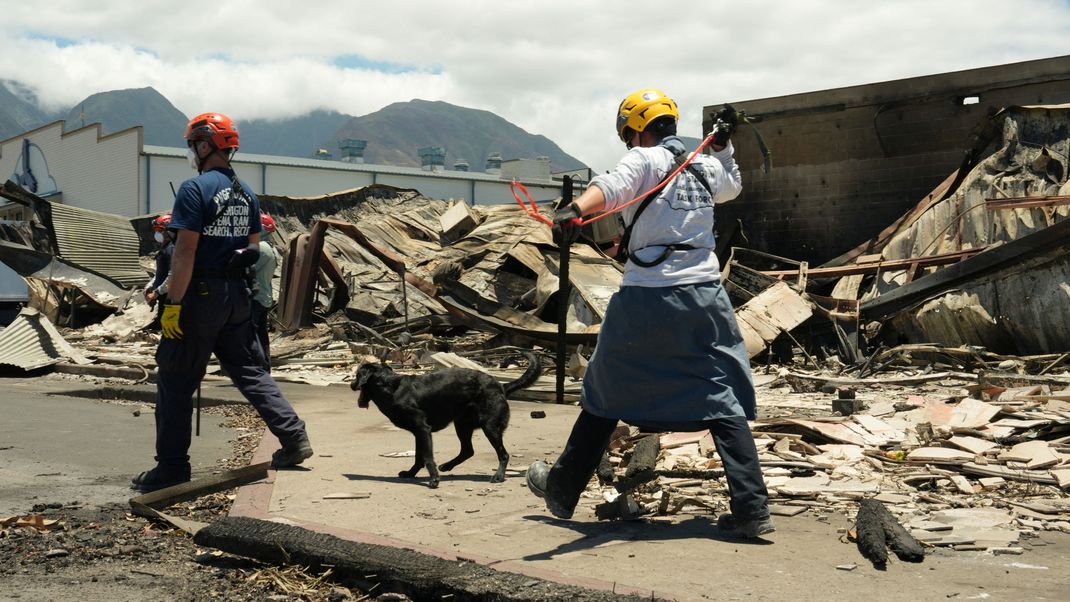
(432, 158)
(494, 163)
(352, 150)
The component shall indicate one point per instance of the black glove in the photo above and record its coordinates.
(567, 225)
(724, 125)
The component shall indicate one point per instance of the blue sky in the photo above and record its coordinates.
(554, 68)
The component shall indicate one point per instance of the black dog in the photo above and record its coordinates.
(428, 403)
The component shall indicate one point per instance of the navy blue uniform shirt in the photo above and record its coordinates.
(206, 204)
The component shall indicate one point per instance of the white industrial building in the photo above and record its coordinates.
(119, 174)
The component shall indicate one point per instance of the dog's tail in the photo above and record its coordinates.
(529, 376)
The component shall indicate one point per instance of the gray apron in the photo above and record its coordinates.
(669, 357)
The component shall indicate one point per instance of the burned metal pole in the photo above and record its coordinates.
(563, 291)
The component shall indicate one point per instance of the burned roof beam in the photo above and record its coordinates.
(1053, 239)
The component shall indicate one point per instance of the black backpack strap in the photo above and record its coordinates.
(626, 238)
(701, 177)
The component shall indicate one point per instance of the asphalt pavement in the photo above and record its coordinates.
(59, 448)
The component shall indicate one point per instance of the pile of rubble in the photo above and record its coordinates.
(970, 468)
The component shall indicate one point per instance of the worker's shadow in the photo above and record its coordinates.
(599, 533)
(420, 479)
(293, 469)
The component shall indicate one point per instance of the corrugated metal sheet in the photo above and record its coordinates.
(101, 242)
(1009, 197)
(34, 265)
(31, 342)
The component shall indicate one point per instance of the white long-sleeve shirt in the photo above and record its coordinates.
(681, 214)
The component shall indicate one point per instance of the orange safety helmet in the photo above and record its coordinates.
(216, 128)
(267, 222)
(161, 222)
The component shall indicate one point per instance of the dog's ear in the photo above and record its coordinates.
(364, 373)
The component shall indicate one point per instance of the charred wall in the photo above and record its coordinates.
(848, 162)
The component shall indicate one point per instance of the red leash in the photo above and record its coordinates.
(533, 210)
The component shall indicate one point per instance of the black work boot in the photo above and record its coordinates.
(160, 477)
(293, 453)
(537, 476)
(744, 529)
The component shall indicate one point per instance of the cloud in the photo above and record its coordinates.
(553, 68)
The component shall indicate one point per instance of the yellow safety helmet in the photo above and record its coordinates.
(640, 108)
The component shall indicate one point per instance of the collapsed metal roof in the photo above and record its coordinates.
(35, 265)
(100, 242)
(499, 273)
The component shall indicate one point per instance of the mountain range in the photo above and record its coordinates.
(393, 134)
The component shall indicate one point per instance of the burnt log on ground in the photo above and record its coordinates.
(605, 471)
(641, 464)
(869, 530)
(877, 530)
(419, 576)
(905, 545)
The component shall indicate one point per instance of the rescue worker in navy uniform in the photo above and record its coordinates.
(207, 307)
(158, 285)
(670, 356)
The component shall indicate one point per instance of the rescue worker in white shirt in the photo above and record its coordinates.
(262, 298)
(669, 356)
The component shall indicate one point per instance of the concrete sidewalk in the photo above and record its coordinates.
(359, 453)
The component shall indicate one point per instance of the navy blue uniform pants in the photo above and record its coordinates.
(260, 325)
(732, 437)
(215, 319)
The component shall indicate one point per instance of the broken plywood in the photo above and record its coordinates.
(775, 310)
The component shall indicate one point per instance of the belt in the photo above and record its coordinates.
(236, 273)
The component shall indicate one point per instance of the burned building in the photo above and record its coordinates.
(849, 161)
